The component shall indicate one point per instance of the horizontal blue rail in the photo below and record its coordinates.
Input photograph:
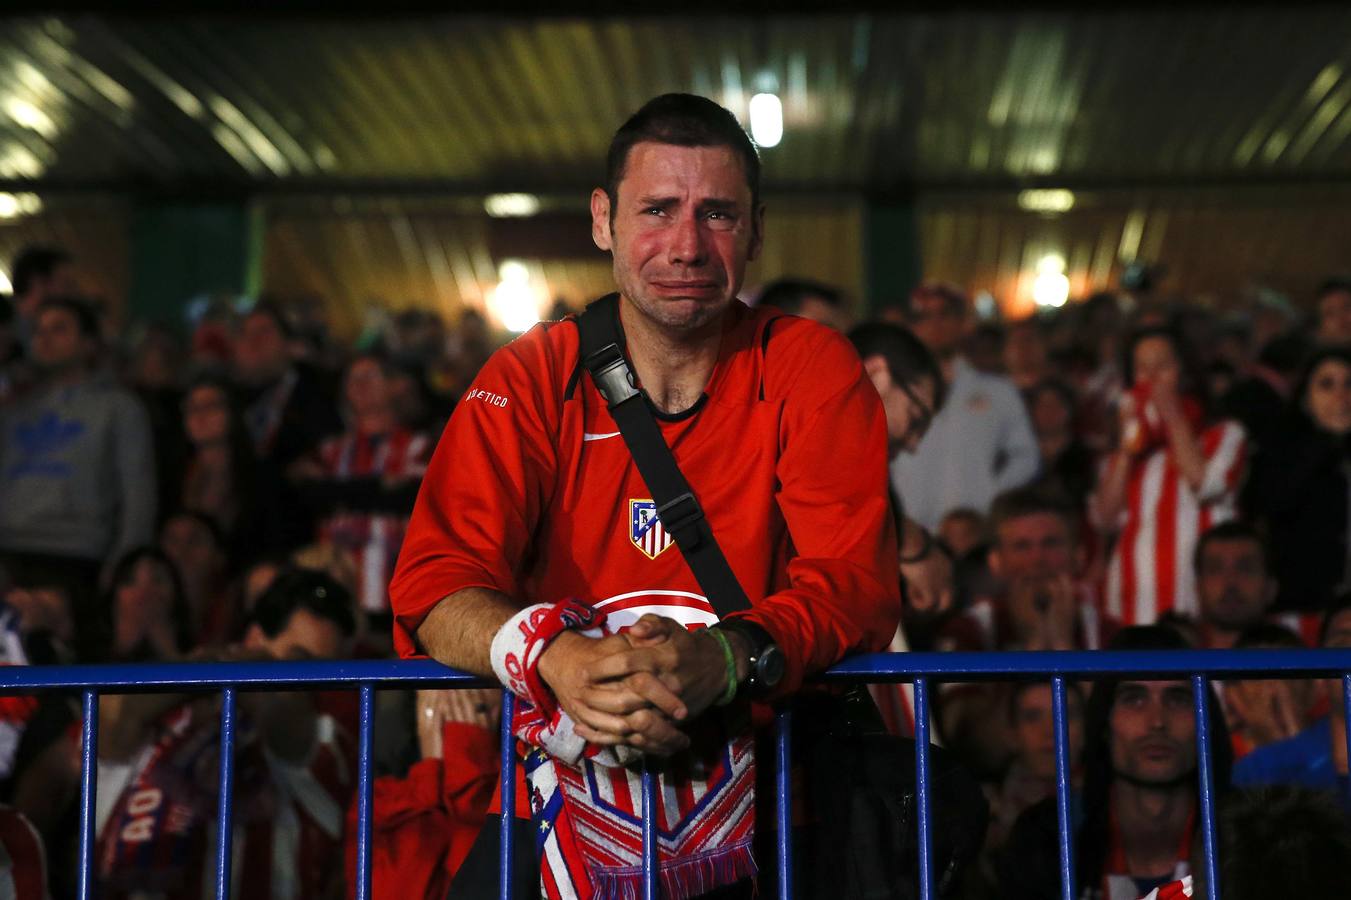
(869, 667)
(1199, 667)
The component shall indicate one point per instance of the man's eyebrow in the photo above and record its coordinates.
(718, 203)
(658, 201)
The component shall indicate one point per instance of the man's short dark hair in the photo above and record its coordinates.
(1268, 634)
(685, 120)
(1280, 841)
(789, 294)
(954, 298)
(386, 362)
(1233, 530)
(1102, 302)
(1340, 284)
(1031, 501)
(33, 263)
(273, 310)
(305, 589)
(1052, 385)
(1074, 691)
(207, 521)
(908, 360)
(1285, 353)
(82, 310)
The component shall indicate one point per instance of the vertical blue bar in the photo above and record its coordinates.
(363, 883)
(507, 834)
(89, 740)
(1063, 786)
(225, 823)
(783, 735)
(651, 883)
(1346, 707)
(1201, 695)
(926, 889)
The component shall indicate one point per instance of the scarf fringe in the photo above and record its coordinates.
(680, 879)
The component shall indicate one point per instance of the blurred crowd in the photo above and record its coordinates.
(1125, 471)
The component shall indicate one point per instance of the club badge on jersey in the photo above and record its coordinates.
(646, 530)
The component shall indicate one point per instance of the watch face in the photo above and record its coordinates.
(771, 666)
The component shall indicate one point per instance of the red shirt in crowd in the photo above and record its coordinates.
(422, 825)
(532, 492)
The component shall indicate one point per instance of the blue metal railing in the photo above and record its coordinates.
(1198, 667)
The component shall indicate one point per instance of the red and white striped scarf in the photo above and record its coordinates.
(372, 538)
(157, 830)
(1173, 890)
(587, 800)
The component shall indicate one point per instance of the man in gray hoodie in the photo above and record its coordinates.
(77, 469)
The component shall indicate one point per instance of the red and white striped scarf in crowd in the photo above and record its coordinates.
(587, 800)
(157, 830)
(1119, 885)
(1173, 890)
(372, 538)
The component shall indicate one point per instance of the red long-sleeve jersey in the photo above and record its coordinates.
(423, 824)
(532, 492)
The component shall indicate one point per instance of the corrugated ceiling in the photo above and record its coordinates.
(370, 142)
(870, 101)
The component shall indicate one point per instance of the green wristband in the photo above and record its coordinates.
(730, 694)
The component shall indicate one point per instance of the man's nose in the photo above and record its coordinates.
(687, 242)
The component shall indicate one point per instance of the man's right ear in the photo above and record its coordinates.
(600, 219)
(878, 372)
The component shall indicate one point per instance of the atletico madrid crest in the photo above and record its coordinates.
(646, 530)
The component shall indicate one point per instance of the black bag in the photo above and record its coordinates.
(859, 778)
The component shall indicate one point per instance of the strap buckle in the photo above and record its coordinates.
(611, 372)
(680, 517)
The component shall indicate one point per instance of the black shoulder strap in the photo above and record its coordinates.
(678, 509)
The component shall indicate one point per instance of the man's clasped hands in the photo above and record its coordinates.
(641, 687)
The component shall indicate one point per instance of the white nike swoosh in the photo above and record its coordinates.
(588, 436)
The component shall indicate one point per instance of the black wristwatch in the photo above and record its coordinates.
(767, 664)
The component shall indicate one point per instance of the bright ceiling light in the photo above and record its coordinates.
(1056, 200)
(15, 205)
(511, 206)
(1051, 287)
(5, 286)
(26, 115)
(17, 161)
(513, 301)
(32, 78)
(766, 120)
